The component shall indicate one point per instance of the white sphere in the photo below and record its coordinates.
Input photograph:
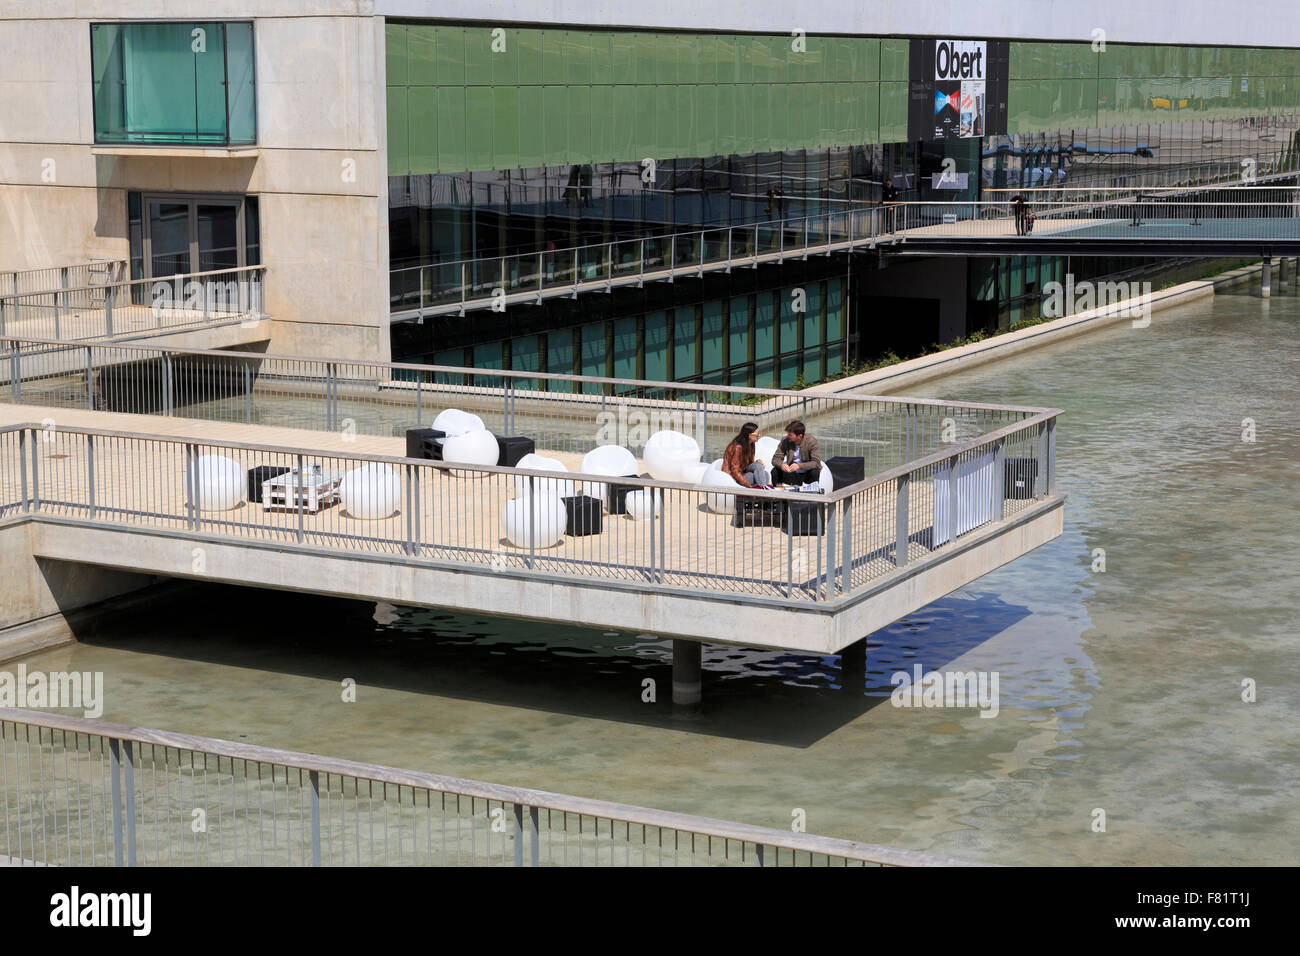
(720, 504)
(543, 513)
(694, 473)
(371, 491)
(764, 449)
(221, 482)
(477, 447)
(640, 502)
(667, 453)
(826, 479)
(715, 465)
(455, 422)
(607, 460)
(525, 485)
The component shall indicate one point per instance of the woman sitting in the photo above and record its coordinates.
(738, 460)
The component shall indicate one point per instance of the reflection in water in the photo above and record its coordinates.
(1119, 690)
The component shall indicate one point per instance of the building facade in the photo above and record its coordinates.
(357, 148)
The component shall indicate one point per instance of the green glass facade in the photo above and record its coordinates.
(174, 83)
(554, 97)
(559, 96)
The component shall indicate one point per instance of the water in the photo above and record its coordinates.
(1119, 691)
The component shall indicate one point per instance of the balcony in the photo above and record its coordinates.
(174, 88)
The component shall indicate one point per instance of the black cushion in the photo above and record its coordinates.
(510, 450)
(258, 475)
(583, 515)
(846, 470)
(616, 496)
(805, 517)
(1018, 477)
(420, 443)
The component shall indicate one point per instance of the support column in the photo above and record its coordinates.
(853, 668)
(1285, 272)
(687, 670)
(1266, 276)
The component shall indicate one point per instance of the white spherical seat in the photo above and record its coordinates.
(640, 503)
(539, 519)
(720, 504)
(526, 485)
(220, 481)
(667, 453)
(764, 449)
(370, 492)
(693, 474)
(477, 447)
(613, 460)
(455, 422)
(715, 465)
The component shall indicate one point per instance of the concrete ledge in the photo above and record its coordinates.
(720, 618)
(185, 152)
(914, 371)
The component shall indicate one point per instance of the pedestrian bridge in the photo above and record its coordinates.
(951, 492)
(1211, 221)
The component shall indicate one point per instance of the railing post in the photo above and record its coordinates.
(15, 375)
(829, 530)
(2, 315)
(248, 392)
(462, 288)
(90, 380)
(300, 489)
(22, 468)
(1000, 480)
(192, 485)
(168, 387)
(36, 473)
(901, 515)
(1040, 486)
(952, 498)
(654, 574)
(116, 775)
(535, 853)
(314, 776)
(519, 834)
(108, 310)
(129, 805)
(846, 545)
(412, 494)
(532, 520)
(90, 474)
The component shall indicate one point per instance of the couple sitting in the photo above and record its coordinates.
(797, 460)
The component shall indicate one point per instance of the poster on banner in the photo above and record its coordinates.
(957, 89)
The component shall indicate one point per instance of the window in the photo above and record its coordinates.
(174, 83)
(174, 234)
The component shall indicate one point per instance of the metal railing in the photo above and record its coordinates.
(92, 273)
(561, 413)
(454, 287)
(783, 547)
(105, 310)
(1273, 213)
(80, 792)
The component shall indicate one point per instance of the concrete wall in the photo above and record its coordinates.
(1212, 22)
(318, 170)
(41, 596)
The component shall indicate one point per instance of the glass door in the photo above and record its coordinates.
(168, 237)
(216, 240)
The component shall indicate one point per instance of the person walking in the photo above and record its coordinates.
(1019, 207)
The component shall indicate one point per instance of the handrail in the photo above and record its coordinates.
(519, 796)
(16, 342)
(127, 282)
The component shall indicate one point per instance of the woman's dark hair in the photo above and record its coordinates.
(742, 437)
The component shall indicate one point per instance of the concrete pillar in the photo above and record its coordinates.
(687, 671)
(853, 667)
(1266, 276)
(1284, 273)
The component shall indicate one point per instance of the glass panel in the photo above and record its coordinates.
(684, 343)
(656, 346)
(169, 234)
(218, 237)
(593, 354)
(559, 358)
(738, 331)
(711, 336)
(624, 348)
(174, 83)
(252, 233)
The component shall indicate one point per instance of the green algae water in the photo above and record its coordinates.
(1121, 689)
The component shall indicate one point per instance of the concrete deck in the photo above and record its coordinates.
(752, 586)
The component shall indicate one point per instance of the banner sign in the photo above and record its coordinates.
(957, 89)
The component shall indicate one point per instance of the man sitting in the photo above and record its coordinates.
(798, 458)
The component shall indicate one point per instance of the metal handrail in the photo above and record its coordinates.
(121, 283)
(12, 344)
(520, 797)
